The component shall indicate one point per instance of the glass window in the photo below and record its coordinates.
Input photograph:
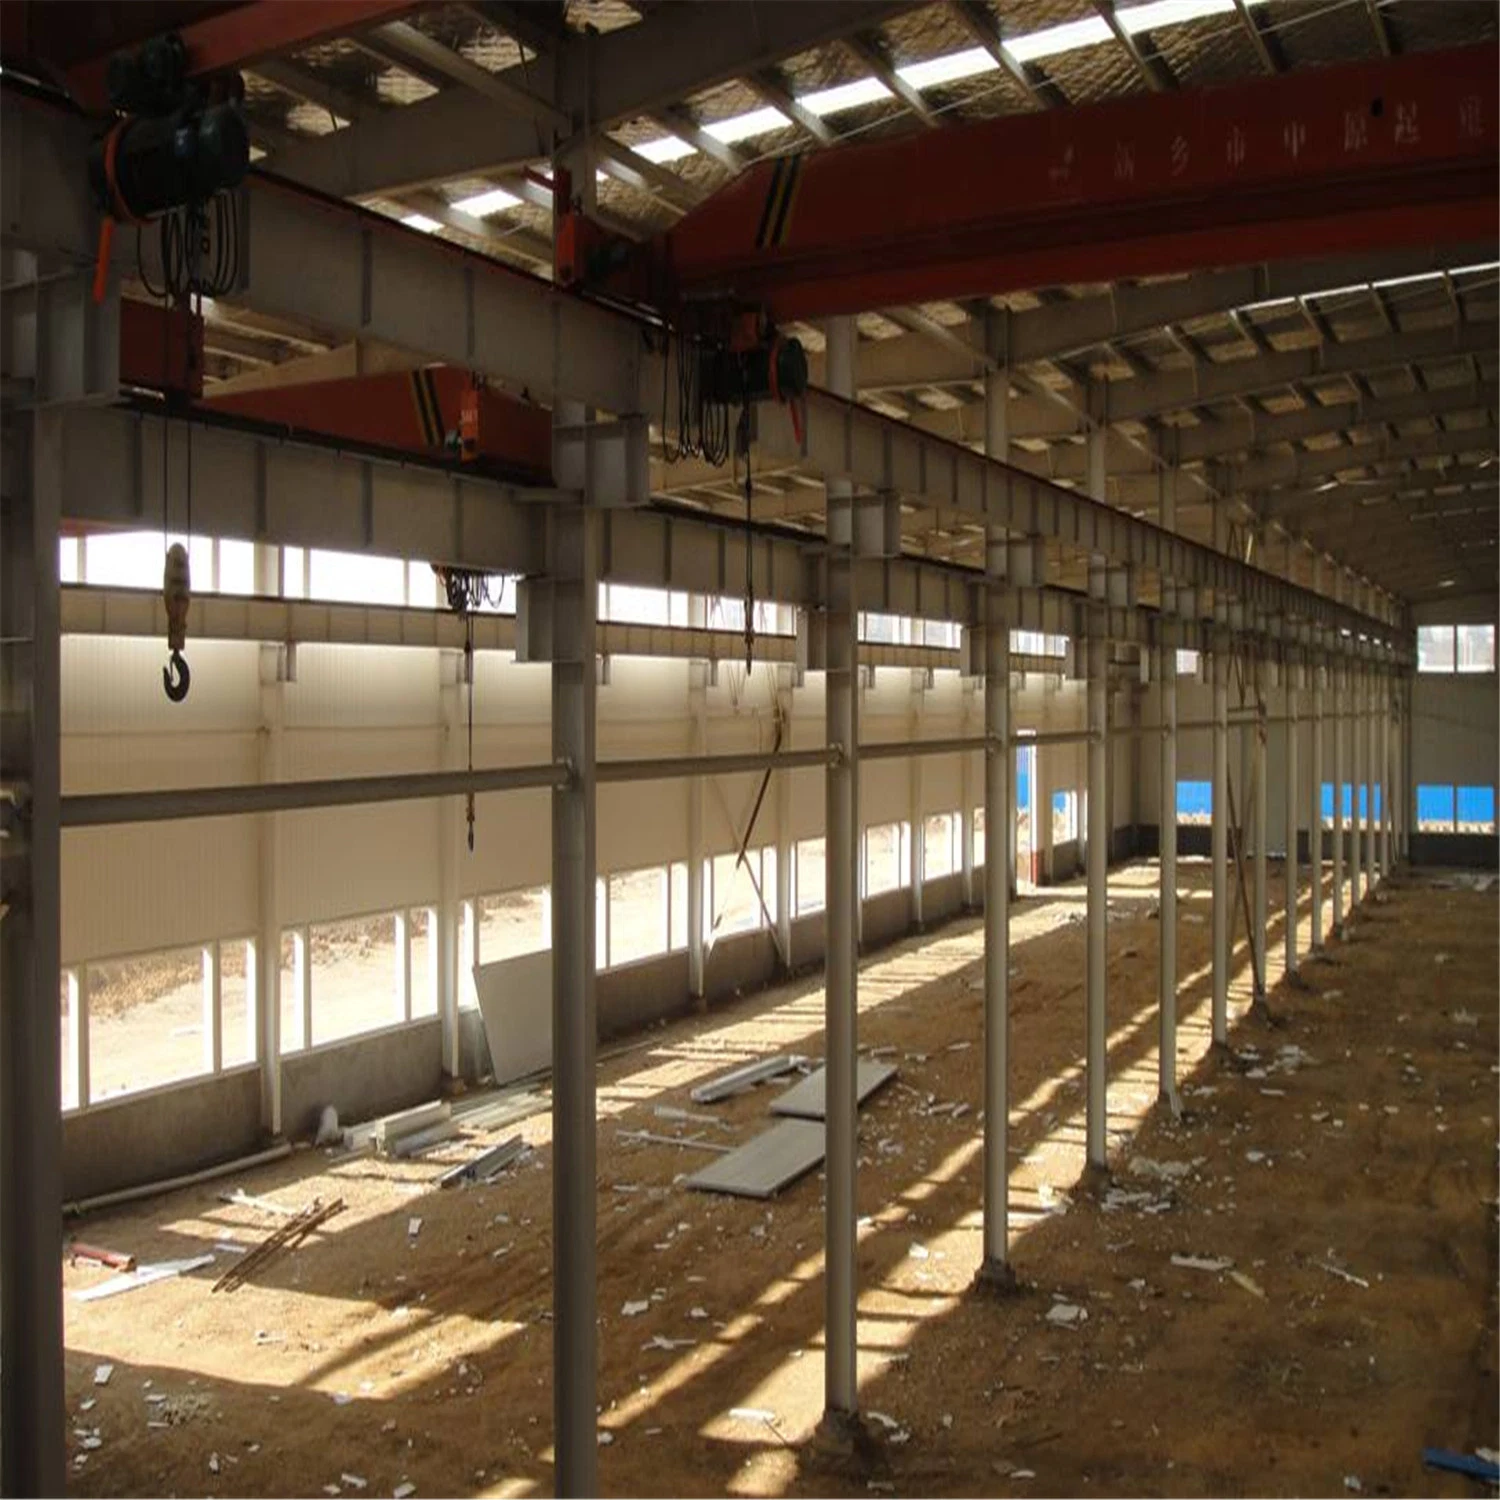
(637, 606)
(637, 914)
(1434, 648)
(978, 836)
(939, 845)
(424, 962)
(237, 1003)
(1064, 816)
(293, 959)
(1187, 663)
(678, 936)
(736, 907)
(1434, 809)
(1326, 803)
(1476, 648)
(356, 578)
(68, 1011)
(885, 869)
(69, 559)
(1476, 809)
(134, 559)
(811, 882)
(236, 567)
(515, 922)
(1195, 801)
(357, 978)
(147, 1021)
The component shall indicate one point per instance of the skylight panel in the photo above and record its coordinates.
(664, 149)
(1051, 40)
(421, 222)
(482, 205)
(742, 127)
(937, 71)
(844, 96)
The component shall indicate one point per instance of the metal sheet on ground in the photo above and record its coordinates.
(763, 1166)
(804, 1101)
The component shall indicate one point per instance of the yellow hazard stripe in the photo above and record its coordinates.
(776, 212)
(429, 413)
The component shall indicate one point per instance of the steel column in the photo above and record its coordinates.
(1338, 682)
(841, 1390)
(1258, 732)
(1315, 812)
(574, 569)
(31, 1310)
(1167, 855)
(1357, 781)
(1292, 790)
(1219, 833)
(1098, 901)
(698, 712)
(998, 760)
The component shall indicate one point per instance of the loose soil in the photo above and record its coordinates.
(1342, 1158)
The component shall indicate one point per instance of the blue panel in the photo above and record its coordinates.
(1364, 802)
(1476, 804)
(1379, 810)
(1023, 778)
(1327, 802)
(1059, 802)
(1348, 801)
(1435, 806)
(1195, 799)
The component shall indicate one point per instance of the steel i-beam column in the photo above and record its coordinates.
(1377, 788)
(1292, 790)
(31, 1310)
(996, 1269)
(1219, 912)
(574, 568)
(1167, 855)
(1166, 820)
(1315, 811)
(1098, 895)
(1338, 674)
(841, 1394)
(1358, 786)
(1258, 731)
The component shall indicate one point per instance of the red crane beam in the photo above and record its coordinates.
(1321, 162)
(236, 37)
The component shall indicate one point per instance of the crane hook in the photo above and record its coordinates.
(175, 677)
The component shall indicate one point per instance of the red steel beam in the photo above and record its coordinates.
(1320, 162)
(235, 38)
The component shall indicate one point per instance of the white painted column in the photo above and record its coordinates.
(266, 998)
(1258, 731)
(455, 957)
(1338, 681)
(1357, 779)
(916, 851)
(1166, 822)
(785, 844)
(698, 717)
(1096, 1057)
(966, 801)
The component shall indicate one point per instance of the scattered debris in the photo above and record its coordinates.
(286, 1237)
(484, 1166)
(116, 1260)
(143, 1276)
(661, 1341)
(1352, 1484)
(687, 1116)
(102, 1374)
(634, 1309)
(651, 1138)
(606, 1437)
(1065, 1314)
(354, 1481)
(1478, 1466)
(753, 1414)
(1214, 1264)
(242, 1199)
(1241, 1280)
(746, 1076)
(329, 1133)
(404, 1491)
(413, 1227)
(1342, 1274)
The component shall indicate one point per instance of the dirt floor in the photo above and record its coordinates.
(1343, 1160)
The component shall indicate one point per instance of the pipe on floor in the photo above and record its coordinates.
(277, 1152)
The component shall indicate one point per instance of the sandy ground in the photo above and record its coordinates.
(1351, 1181)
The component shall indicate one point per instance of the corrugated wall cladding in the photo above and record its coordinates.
(360, 711)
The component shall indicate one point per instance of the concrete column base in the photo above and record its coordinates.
(996, 1278)
(1095, 1178)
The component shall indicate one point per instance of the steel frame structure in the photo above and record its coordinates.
(324, 264)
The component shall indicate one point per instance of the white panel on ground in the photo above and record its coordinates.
(804, 1101)
(763, 1166)
(515, 1003)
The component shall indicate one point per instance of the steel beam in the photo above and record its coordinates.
(841, 982)
(32, 1451)
(1219, 840)
(333, 267)
(1338, 681)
